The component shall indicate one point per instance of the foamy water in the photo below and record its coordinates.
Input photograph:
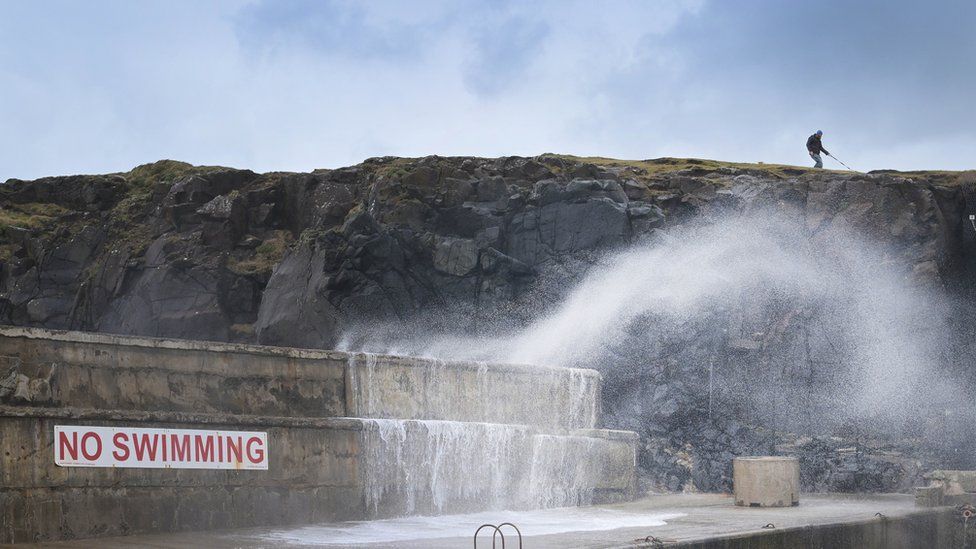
(424, 466)
(531, 523)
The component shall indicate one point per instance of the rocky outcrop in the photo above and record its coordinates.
(298, 258)
(292, 258)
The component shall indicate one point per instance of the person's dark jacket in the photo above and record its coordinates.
(814, 145)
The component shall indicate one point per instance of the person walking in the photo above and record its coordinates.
(815, 147)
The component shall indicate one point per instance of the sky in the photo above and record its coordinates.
(102, 86)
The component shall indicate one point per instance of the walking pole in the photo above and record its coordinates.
(841, 163)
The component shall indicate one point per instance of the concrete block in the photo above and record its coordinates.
(929, 496)
(947, 487)
(766, 481)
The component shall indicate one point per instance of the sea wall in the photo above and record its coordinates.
(349, 436)
(86, 370)
(321, 469)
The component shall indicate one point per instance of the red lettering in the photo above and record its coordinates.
(234, 451)
(159, 447)
(180, 453)
(145, 447)
(70, 446)
(204, 453)
(121, 441)
(84, 446)
(255, 455)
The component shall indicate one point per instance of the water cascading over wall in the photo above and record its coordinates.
(350, 436)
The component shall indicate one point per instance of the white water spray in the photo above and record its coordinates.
(864, 320)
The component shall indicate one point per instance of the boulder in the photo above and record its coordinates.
(539, 234)
(294, 310)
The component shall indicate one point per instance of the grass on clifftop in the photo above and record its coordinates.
(938, 177)
(146, 175)
(666, 165)
(140, 181)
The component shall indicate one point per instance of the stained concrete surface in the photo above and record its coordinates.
(709, 519)
(51, 368)
(351, 436)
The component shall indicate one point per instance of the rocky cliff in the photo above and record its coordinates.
(464, 246)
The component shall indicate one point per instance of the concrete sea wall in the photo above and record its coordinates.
(87, 370)
(350, 436)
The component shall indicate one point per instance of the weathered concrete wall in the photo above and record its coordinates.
(388, 387)
(320, 469)
(313, 476)
(120, 373)
(103, 371)
(350, 436)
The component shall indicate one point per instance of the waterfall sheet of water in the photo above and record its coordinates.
(414, 466)
(428, 465)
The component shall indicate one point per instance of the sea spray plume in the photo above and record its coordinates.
(777, 311)
(715, 328)
(677, 276)
(882, 329)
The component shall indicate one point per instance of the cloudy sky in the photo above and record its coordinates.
(100, 86)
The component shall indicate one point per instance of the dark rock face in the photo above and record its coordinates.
(456, 244)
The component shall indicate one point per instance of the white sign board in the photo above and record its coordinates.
(84, 446)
